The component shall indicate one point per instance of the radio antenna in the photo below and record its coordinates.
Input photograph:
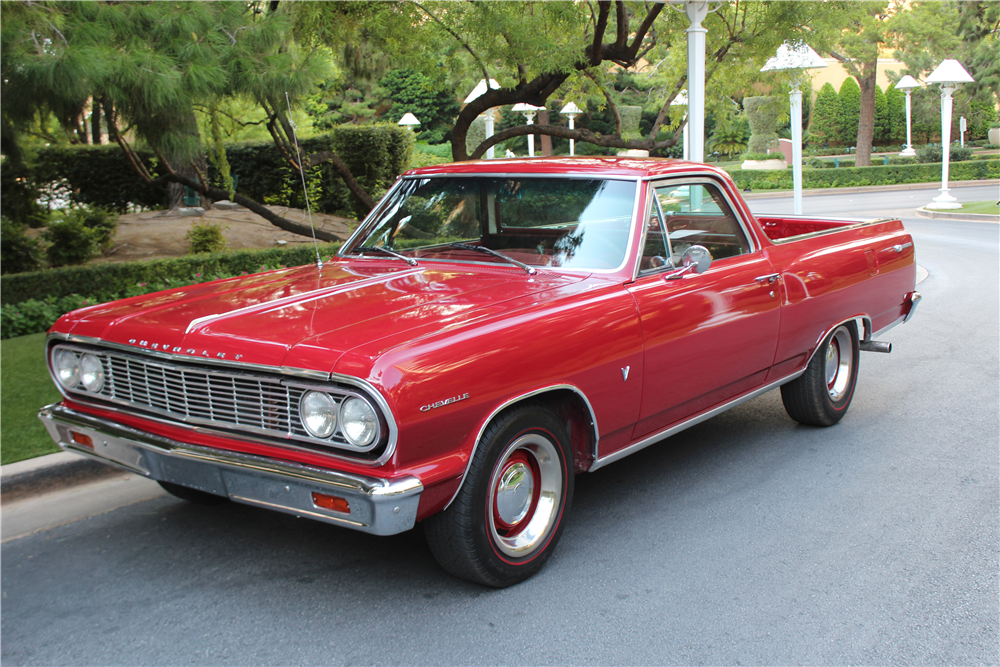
(305, 190)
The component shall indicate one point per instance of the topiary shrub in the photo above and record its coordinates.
(102, 223)
(205, 237)
(70, 242)
(933, 153)
(18, 253)
(762, 114)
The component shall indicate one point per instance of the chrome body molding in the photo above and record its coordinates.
(229, 363)
(518, 399)
(378, 506)
(666, 433)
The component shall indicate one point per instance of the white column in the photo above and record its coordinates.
(945, 200)
(696, 84)
(908, 151)
(531, 137)
(572, 143)
(796, 117)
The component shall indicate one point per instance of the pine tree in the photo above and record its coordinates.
(895, 101)
(883, 122)
(824, 126)
(850, 110)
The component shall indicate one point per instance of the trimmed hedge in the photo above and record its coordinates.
(102, 176)
(98, 176)
(859, 176)
(110, 281)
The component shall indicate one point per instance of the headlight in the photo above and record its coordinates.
(68, 368)
(318, 412)
(358, 422)
(92, 373)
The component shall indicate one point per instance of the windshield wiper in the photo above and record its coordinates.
(489, 251)
(392, 253)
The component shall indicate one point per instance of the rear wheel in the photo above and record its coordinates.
(821, 395)
(508, 516)
(192, 495)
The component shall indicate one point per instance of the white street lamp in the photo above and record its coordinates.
(409, 121)
(798, 59)
(950, 75)
(490, 114)
(572, 111)
(696, 11)
(528, 111)
(907, 84)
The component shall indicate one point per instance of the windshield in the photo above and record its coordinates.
(554, 222)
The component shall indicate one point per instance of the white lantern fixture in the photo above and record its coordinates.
(409, 121)
(795, 58)
(949, 75)
(528, 111)
(907, 84)
(572, 111)
(490, 114)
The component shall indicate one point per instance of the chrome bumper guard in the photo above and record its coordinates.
(377, 506)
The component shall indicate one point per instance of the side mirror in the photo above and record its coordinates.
(695, 259)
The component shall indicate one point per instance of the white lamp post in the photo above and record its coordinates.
(409, 121)
(528, 111)
(572, 111)
(907, 84)
(490, 114)
(696, 11)
(681, 100)
(950, 74)
(797, 58)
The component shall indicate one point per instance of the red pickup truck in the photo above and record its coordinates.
(490, 330)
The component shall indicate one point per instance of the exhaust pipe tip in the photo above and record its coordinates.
(876, 346)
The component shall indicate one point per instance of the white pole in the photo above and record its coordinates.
(908, 151)
(531, 137)
(945, 200)
(796, 112)
(489, 132)
(696, 86)
(572, 143)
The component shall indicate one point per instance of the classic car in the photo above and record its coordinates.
(491, 329)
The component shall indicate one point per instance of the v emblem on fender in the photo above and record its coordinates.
(625, 373)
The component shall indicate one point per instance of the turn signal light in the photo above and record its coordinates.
(81, 439)
(335, 503)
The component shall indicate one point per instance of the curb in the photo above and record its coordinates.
(51, 472)
(770, 194)
(923, 212)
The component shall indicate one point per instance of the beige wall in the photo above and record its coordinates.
(834, 74)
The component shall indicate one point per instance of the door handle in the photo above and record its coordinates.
(768, 279)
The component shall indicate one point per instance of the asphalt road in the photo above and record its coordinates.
(747, 539)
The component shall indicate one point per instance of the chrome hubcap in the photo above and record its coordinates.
(525, 495)
(514, 493)
(839, 362)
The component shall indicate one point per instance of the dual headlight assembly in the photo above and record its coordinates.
(320, 413)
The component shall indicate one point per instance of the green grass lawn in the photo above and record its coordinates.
(988, 207)
(25, 386)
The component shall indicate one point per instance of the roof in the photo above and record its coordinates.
(597, 166)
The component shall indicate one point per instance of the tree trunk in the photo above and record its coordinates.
(95, 120)
(866, 122)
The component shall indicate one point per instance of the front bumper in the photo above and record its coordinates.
(378, 506)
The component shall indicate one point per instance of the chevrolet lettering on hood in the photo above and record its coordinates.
(586, 308)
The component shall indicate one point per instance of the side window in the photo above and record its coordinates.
(655, 252)
(698, 214)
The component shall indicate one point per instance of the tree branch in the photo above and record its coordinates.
(582, 134)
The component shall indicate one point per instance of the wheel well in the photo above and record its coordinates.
(572, 410)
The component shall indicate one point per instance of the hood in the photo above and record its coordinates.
(302, 317)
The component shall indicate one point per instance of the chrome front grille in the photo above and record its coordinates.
(187, 393)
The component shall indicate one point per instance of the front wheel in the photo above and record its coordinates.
(821, 395)
(508, 515)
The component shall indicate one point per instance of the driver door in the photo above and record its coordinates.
(707, 337)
